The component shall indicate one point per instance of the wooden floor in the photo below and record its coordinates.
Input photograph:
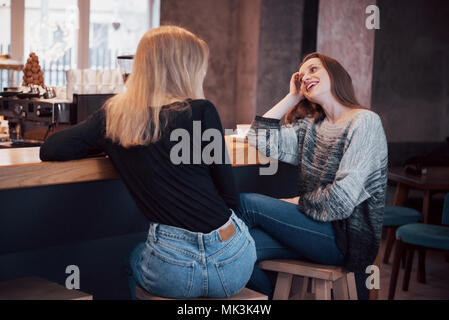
(437, 277)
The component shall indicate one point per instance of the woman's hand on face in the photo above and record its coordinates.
(295, 86)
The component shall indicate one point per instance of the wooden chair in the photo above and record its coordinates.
(34, 288)
(294, 276)
(418, 237)
(245, 294)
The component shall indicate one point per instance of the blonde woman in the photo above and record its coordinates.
(196, 245)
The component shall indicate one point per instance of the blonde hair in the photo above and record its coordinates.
(169, 65)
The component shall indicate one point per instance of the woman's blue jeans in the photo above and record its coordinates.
(177, 263)
(282, 232)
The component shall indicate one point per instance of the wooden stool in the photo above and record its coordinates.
(245, 294)
(34, 288)
(293, 278)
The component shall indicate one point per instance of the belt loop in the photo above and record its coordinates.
(236, 220)
(153, 232)
(200, 242)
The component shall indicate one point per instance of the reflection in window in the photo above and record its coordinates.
(116, 28)
(51, 32)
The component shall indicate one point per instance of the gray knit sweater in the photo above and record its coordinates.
(342, 175)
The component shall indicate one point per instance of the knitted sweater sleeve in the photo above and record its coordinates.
(358, 175)
(273, 140)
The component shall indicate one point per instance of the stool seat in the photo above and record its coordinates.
(244, 294)
(323, 277)
(398, 216)
(425, 235)
(34, 288)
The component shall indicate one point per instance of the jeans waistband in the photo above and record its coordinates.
(169, 232)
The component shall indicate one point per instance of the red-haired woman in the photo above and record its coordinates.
(341, 153)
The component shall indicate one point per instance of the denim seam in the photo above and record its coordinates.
(169, 236)
(185, 252)
(236, 256)
(226, 247)
(171, 260)
(295, 227)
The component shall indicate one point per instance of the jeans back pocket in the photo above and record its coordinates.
(166, 275)
(235, 268)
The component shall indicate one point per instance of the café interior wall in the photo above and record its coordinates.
(411, 78)
(216, 22)
(255, 47)
(280, 50)
(342, 34)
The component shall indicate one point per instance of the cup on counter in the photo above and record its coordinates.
(242, 129)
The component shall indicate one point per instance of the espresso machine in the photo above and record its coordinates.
(33, 116)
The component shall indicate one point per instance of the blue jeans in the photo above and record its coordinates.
(178, 263)
(281, 231)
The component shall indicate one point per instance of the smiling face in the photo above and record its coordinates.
(314, 79)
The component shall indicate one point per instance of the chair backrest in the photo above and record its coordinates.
(446, 210)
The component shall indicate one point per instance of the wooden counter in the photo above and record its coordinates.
(22, 167)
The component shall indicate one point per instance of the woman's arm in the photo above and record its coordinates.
(220, 170)
(361, 173)
(275, 141)
(76, 142)
(269, 137)
(290, 100)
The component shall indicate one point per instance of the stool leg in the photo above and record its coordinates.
(408, 268)
(352, 288)
(422, 265)
(399, 248)
(283, 286)
(323, 289)
(299, 288)
(312, 286)
(340, 287)
(391, 235)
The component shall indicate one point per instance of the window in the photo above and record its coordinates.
(51, 32)
(5, 37)
(5, 26)
(57, 31)
(115, 29)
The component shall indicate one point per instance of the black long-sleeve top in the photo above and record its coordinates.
(196, 197)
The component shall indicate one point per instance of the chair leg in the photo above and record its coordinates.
(323, 289)
(408, 268)
(404, 259)
(422, 265)
(399, 248)
(283, 286)
(391, 235)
